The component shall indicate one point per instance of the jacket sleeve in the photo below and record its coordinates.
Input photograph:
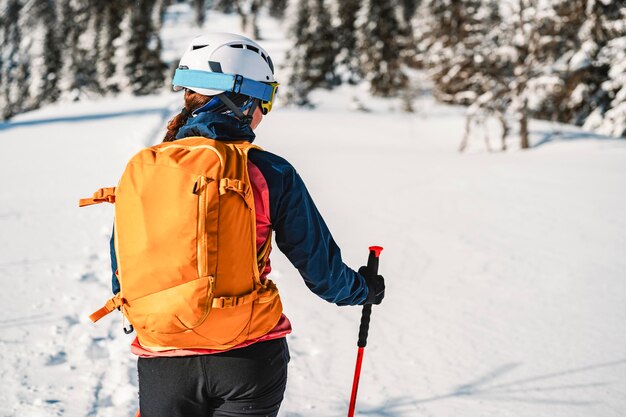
(302, 235)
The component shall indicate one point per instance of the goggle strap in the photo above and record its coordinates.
(225, 82)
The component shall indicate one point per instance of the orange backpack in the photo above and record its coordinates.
(185, 242)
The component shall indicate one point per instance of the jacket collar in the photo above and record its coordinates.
(216, 126)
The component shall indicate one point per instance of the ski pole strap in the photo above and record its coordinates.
(365, 325)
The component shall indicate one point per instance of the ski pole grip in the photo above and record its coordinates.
(372, 267)
(365, 325)
(372, 260)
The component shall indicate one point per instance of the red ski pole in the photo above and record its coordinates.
(372, 266)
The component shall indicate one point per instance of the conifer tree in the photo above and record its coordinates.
(556, 25)
(600, 98)
(248, 11)
(199, 7)
(379, 38)
(77, 29)
(46, 14)
(299, 86)
(409, 7)
(87, 21)
(277, 8)
(16, 65)
(312, 58)
(109, 45)
(145, 69)
(3, 46)
(348, 64)
(451, 36)
(224, 6)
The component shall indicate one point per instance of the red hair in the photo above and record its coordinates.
(193, 101)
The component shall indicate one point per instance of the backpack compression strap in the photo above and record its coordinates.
(101, 196)
(261, 295)
(116, 302)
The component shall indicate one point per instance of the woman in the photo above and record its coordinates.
(229, 86)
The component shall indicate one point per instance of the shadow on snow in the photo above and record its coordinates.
(556, 135)
(529, 390)
(84, 118)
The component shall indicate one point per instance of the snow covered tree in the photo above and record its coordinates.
(409, 7)
(556, 26)
(69, 49)
(224, 6)
(248, 11)
(199, 7)
(312, 58)
(110, 79)
(51, 57)
(3, 46)
(451, 36)
(277, 8)
(560, 60)
(348, 62)
(145, 69)
(78, 29)
(378, 41)
(600, 99)
(15, 69)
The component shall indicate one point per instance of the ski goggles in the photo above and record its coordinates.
(266, 92)
(266, 106)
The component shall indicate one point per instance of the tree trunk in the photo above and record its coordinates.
(505, 129)
(523, 127)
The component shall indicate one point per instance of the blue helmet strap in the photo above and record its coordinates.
(255, 103)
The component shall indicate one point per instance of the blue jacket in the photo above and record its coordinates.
(300, 231)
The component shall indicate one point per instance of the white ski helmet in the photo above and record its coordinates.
(225, 53)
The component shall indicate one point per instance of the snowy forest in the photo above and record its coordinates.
(558, 60)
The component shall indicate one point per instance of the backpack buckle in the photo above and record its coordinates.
(224, 302)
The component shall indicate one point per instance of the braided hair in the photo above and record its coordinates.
(193, 101)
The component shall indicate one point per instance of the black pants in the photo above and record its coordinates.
(241, 382)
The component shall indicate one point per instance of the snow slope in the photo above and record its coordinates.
(505, 271)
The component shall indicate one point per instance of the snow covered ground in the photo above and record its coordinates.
(505, 271)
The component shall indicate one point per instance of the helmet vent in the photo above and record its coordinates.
(215, 66)
(252, 48)
(193, 48)
(237, 45)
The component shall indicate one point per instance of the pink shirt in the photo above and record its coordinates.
(263, 227)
